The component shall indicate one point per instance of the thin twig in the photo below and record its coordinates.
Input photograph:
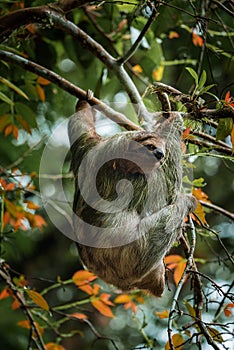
(19, 296)
(218, 209)
(189, 264)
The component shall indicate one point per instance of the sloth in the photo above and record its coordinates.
(128, 206)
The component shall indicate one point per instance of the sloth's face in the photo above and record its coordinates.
(155, 146)
(146, 152)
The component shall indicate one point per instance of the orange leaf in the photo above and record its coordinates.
(228, 310)
(31, 205)
(186, 133)
(197, 39)
(10, 186)
(6, 218)
(178, 263)
(40, 92)
(15, 131)
(5, 293)
(8, 130)
(38, 222)
(199, 194)
(232, 138)
(87, 288)
(122, 299)
(79, 316)
(179, 270)
(102, 308)
(24, 324)
(43, 81)
(105, 298)
(24, 124)
(131, 305)
(177, 341)
(162, 314)
(173, 35)
(31, 28)
(38, 299)
(173, 259)
(54, 346)
(199, 211)
(83, 277)
(15, 305)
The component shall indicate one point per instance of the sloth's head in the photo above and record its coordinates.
(146, 151)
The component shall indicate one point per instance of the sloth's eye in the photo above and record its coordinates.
(150, 147)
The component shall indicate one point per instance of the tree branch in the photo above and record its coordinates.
(69, 87)
(48, 15)
(137, 43)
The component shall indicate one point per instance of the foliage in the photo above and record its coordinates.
(122, 51)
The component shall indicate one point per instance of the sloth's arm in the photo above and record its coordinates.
(169, 219)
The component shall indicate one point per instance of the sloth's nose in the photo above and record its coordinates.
(158, 153)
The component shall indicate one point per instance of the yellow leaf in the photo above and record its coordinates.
(157, 73)
(177, 341)
(162, 314)
(102, 308)
(38, 299)
(191, 310)
(137, 68)
(122, 299)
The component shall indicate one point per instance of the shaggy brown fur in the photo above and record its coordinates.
(128, 205)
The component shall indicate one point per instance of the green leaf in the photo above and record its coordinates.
(6, 99)
(224, 128)
(4, 121)
(13, 87)
(215, 334)
(202, 80)
(207, 88)
(193, 74)
(26, 113)
(190, 309)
